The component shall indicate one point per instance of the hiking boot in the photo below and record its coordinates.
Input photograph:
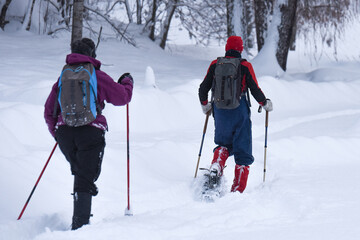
(82, 209)
(240, 179)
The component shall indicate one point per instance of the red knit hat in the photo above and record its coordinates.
(235, 43)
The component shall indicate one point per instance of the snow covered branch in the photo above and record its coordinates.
(122, 34)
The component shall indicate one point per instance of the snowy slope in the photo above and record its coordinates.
(313, 155)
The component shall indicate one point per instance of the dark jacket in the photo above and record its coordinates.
(248, 80)
(107, 89)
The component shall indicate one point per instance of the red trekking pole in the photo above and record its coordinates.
(128, 211)
(33, 190)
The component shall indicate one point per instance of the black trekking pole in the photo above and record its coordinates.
(33, 190)
(128, 211)
(265, 147)
(266, 130)
(202, 142)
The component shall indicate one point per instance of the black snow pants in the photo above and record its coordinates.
(83, 148)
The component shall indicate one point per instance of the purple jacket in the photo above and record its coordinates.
(107, 89)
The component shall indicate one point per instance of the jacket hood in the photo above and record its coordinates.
(76, 58)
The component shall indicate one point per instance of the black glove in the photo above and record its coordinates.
(124, 76)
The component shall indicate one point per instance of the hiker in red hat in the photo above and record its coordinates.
(230, 78)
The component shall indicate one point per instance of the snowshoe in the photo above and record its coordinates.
(212, 185)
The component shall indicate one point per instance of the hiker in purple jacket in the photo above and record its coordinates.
(83, 146)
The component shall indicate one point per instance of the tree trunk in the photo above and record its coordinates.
(240, 20)
(169, 15)
(77, 25)
(293, 36)
(30, 16)
(263, 8)
(65, 10)
(247, 23)
(128, 11)
(4, 9)
(153, 20)
(285, 29)
(138, 11)
(230, 17)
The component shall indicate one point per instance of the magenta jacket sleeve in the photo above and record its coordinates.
(49, 110)
(113, 92)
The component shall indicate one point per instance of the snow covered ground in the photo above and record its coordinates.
(311, 189)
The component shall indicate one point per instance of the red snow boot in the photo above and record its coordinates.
(221, 154)
(240, 179)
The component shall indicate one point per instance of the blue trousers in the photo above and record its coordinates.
(233, 131)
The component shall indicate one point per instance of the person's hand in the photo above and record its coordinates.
(206, 108)
(126, 75)
(268, 105)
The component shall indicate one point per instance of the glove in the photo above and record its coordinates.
(124, 76)
(268, 105)
(206, 108)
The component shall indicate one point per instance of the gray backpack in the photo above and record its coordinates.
(77, 94)
(226, 89)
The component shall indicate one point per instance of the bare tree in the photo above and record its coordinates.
(247, 23)
(171, 6)
(128, 11)
(64, 10)
(4, 9)
(152, 20)
(229, 17)
(263, 10)
(205, 20)
(159, 19)
(139, 6)
(288, 13)
(326, 19)
(30, 15)
(240, 21)
(77, 24)
(118, 29)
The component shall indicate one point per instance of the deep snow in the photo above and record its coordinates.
(311, 189)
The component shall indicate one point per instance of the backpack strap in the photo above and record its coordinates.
(239, 86)
(213, 82)
(98, 108)
(247, 89)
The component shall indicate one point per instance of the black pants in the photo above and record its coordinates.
(83, 148)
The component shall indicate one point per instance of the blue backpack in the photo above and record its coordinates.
(77, 94)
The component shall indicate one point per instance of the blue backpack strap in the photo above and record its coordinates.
(56, 104)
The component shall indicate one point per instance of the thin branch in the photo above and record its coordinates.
(119, 1)
(57, 8)
(58, 29)
(112, 24)
(97, 44)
